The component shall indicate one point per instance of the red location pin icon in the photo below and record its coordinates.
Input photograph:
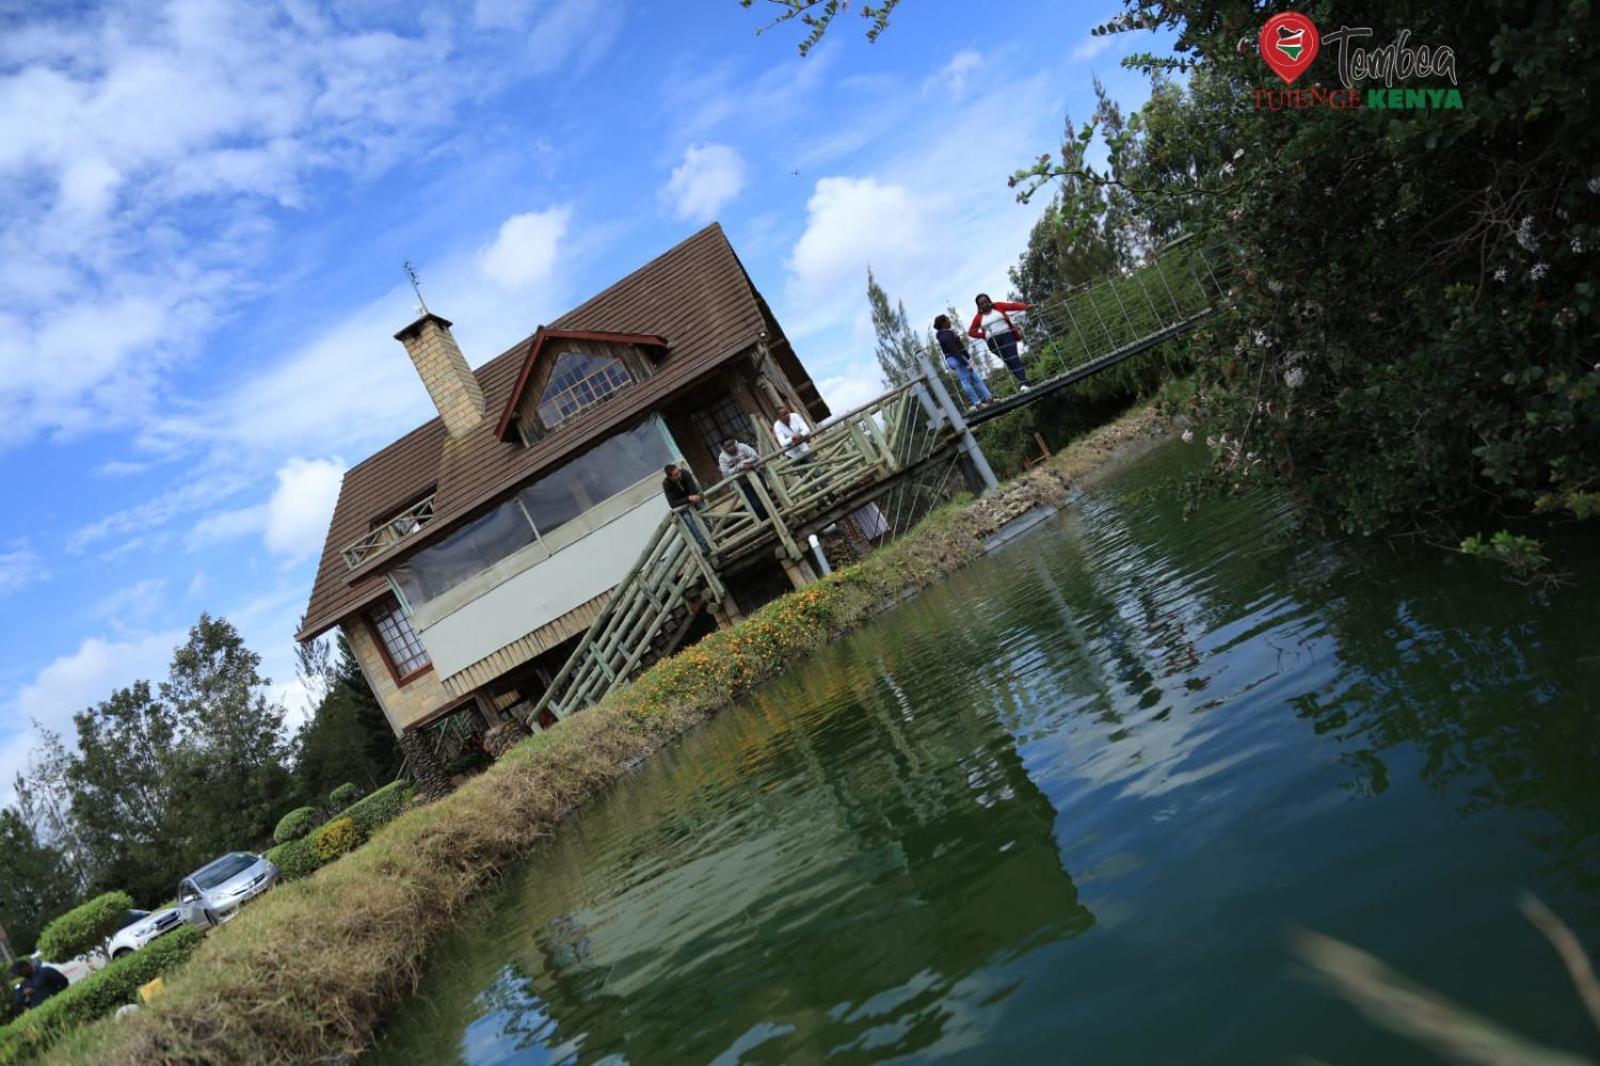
(1289, 42)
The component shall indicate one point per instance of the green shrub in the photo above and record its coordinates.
(344, 795)
(85, 927)
(297, 858)
(294, 825)
(97, 995)
(335, 838)
(379, 808)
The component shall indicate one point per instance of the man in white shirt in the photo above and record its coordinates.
(793, 434)
(738, 458)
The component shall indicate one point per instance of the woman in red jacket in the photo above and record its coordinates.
(992, 325)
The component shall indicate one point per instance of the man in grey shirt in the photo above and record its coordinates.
(740, 459)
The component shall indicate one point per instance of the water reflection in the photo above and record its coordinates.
(1224, 728)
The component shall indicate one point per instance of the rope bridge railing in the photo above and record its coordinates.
(1096, 322)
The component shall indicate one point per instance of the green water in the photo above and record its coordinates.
(1066, 808)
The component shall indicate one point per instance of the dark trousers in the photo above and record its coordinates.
(694, 529)
(1005, 346)
(751, 497)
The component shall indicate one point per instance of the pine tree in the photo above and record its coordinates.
(898, 343)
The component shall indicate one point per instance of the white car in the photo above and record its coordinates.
(142, 927)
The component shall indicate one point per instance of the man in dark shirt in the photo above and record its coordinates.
(683, 494)
(39, 983)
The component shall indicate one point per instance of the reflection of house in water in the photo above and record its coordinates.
(465, 559)
(848, 880)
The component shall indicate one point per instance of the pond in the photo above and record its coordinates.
(1070, 806)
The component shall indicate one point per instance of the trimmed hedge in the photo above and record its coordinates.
(97, 995)
(294, 859)
(297, 858)
(294, 825)
(334, 839)
(344, 795)
(85, 927)
(380, 808)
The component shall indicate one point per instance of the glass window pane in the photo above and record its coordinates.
(469, 550)
(597, 475)
(579, 381)
(399, 639)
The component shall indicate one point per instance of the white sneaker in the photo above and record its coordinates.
(1022, 388)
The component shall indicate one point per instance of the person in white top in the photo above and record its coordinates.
(992, 325)
(793, 434)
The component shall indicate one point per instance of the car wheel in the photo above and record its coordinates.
(120, 953)
(211, 917)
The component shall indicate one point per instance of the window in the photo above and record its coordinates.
(616, 463)
(577, 382)
(722, 420)
(402, 648)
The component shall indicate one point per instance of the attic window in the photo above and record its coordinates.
(578, 382)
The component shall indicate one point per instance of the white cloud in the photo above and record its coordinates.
(1092, 46)
(20, 565)
(955, 73)
(198, 585)
(524, 252)
(851, 224)
(300, 509)
(708, 178)
(227, 525)
(858, 383)
(120, 468)
(73, 682)
(134, 604)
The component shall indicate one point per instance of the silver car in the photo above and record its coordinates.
(212, 894)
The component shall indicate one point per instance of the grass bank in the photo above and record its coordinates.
(308, 973)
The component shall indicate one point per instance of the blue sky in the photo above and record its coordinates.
(204, 207)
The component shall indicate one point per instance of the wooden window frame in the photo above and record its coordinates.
(606, 359)
(400, 680)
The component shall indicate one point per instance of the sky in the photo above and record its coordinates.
(204, 208)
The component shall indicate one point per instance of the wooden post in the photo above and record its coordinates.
(799, 571)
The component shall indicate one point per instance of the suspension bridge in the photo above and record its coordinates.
(877, 465)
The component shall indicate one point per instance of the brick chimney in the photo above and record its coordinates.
(444, 372)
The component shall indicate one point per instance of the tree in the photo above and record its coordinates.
(121, 784)
(44, 803)
(818, 15)
(1408, 332)
(37, 883)
(898, 343)
(231, 768)
(347, 737)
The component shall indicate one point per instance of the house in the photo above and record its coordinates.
(464, 560)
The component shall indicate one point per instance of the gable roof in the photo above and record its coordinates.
(696, 297)
(537, 345)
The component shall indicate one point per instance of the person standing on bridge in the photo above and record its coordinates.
(992, 324)
(959, 360)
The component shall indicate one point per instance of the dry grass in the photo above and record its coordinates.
(308, 973)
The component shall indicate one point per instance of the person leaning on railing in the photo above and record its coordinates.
(959, 360)
(683, 494)
(793, 434)
(738, 458)
(992, 325)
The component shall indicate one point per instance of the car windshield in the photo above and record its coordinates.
(135, 916)
(224, 869)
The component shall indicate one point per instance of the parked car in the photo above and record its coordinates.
(142, 928)
(212, 894)
(74, 969)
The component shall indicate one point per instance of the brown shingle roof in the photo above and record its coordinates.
(696, 295)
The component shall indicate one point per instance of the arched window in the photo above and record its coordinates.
(578, 382)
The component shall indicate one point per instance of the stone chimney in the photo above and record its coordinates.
(444, 372)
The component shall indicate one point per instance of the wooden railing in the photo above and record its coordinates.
(391, 532)
(649, 609)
